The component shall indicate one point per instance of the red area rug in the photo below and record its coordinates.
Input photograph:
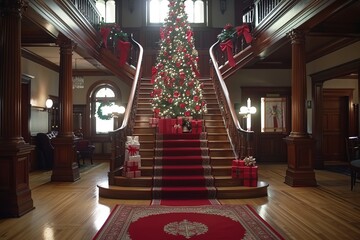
(185, 202)
(182, 167)
(228, 222)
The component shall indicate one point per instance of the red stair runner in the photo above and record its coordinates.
(182, 167)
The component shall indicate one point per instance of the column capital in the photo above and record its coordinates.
(65, 43)
(12, 7)
(297, 36)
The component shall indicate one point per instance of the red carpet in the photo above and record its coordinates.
(182, 167)
(196, 223)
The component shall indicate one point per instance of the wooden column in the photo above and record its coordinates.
(299, 145)
(15, 192)
(65, 168)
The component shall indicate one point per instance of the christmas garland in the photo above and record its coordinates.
(228, 32)
(100, 111)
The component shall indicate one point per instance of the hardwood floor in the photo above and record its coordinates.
(74, 210)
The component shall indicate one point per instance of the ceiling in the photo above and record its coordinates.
(341, 29)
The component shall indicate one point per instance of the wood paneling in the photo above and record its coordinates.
(269, 147)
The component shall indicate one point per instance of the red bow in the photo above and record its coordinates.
(153, 73)
(189, 34)
(105, 31)
(244, 30)
(228, 46)
(132, 150)
(123, 48)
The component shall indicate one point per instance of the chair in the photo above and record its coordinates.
(45, 151)
(353, 157)
(84, 149)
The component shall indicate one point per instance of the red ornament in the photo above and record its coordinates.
(182, 75)
(187, 114)
(170, 100)
(197, 108)
(196, 98)
(176, 94)
(187, 92)
(182, 105)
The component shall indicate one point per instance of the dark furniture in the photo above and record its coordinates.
(84, 149)
(353, 156)
(45, 150)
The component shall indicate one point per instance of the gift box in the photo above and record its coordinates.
(196, 126)
(235, 172)
(136, 158)
(237, 162)
(133, 174)
(165, 126)
(153, 122)
(132, 146)
(176, 125)
(132, 167)
(249, 175)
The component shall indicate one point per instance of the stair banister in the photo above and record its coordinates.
(240, 139)
(118, 136)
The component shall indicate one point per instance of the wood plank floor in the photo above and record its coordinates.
(74, 210)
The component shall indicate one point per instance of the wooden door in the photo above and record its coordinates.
(335, 124)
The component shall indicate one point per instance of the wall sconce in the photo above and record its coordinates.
(49, 103)
(222, 6)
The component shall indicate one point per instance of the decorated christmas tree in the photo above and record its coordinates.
(177, 90)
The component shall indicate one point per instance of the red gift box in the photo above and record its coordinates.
(165, 125)
(235, 172)
(196, 126)
(176, 125)
(133, 174)
(237, 162)
(153, 122)
(249, 175)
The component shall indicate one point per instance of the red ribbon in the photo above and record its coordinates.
(105, 31)
(153, 73)
(132, 150)
(123, 48)
(189, 34)
(228, 46)
(244, 30)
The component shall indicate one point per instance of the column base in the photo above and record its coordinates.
(15, 191)
(300, 172)
(65, 168)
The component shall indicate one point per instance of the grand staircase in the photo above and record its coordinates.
(219, 150)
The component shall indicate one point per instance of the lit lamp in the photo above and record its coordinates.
(247, 111)
(49, 103)
(117, 112)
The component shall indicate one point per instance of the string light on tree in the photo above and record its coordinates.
(177, 90)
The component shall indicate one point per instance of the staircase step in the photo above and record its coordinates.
(189, 170)
(221, 152)
(181, 151)
(184, 181)
(214, 116)
(182, 143)
(182, 160)
(184, 193)
(216, 129)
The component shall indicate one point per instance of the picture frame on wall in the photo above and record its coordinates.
(273, 114)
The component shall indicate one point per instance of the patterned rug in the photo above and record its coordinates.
(210, 222)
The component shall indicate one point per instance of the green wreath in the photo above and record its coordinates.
(100, 112)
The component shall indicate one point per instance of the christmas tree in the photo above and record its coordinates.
(177, 90)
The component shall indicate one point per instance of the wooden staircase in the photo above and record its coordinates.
(220, 151)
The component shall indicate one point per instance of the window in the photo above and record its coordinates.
(107, 10)
(105, 97)
(196, 11)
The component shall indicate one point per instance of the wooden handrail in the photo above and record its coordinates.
(118, 136)
(240, 139)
